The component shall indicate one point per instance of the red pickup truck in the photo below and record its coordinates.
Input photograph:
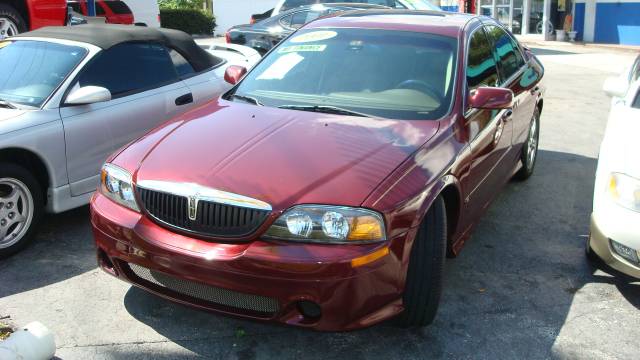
(17, 16)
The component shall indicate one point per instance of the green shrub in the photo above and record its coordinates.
(181, 4)
(189, 21)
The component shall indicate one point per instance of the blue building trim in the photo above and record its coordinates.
(617, 23)
(453, 8)
(578, 20)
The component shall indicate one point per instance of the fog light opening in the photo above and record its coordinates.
(309, 309)
(105, 263)
(625, 252)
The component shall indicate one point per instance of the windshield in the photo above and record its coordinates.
(380, 73)
(32, 70)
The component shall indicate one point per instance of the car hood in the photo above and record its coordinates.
(620, 149)
(282, 157)
(9, 120)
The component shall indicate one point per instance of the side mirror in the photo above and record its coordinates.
(615, 87)
(234, 74)
(88, 95)
(491, 98)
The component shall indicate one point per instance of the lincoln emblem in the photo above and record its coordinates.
(193, 207)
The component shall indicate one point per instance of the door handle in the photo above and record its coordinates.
(535, 90)
(184, 99)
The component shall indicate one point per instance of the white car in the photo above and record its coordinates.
(238, 54)
(615, 221)
(71, 96)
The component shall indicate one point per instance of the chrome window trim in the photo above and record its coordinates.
(203, 193)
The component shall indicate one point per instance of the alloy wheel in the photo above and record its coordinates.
(532, 144)
(16, 211)
(7, 28)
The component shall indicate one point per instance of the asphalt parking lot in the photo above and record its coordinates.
(521, 288)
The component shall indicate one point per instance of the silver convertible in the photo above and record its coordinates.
(71, 96)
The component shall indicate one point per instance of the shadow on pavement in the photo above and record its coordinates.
(62, 249)
(506, 296)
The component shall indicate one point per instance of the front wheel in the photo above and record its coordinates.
(426, 266)
(530, 149)
(21, 207)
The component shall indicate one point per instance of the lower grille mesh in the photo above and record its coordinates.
(261, 304)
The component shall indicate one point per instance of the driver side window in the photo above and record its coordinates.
(481, 64)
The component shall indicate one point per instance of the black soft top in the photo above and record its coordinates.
(106, 36)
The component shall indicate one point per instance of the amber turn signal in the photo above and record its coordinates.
(363, 260)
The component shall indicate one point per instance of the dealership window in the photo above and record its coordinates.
(129, 68)
(510, 59)
(481, 65)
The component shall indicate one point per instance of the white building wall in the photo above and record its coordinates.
(229, 13)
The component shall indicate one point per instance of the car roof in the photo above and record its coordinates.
(106, 36)
(427, 21)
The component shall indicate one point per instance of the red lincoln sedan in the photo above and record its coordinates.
(326, 188)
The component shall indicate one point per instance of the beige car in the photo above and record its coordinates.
(615, 221)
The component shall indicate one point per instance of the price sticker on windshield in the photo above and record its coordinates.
(314, 36)
(301, 48)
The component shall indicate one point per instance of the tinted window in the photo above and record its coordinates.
(300, 18)
(481, 65)
(636, 102)
(507, 50)
(390, 74)
(32, 70)
(183, 68)
(100, 11)
(118, 7)
(128, 68)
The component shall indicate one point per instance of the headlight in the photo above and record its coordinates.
(116, 184)
(328, 224)
(624, 190)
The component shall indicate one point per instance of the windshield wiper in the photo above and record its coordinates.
(323, 109)
(248, 99)
(7, 104)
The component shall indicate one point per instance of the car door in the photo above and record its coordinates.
(522, 78)
(205, 85)
(146, 91)
(489, 131)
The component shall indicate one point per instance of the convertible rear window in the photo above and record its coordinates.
(381, 73)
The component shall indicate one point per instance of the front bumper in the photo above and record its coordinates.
(615, 227)
(258, 279)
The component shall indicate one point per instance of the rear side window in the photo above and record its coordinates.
(635, 71)
(130, 68)
(510, 58)
(636, 102)
(481, 64)
(183, 67)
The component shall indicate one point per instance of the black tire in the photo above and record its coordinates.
(423, 286)
(528, 164)
(15, 172)
(9, 13)
(591, 255)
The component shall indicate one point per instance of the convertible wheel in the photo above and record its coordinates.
(530, 149)
(426, 264)
(11, 23)
(20, 208)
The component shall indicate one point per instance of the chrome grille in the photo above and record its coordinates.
(216, 295)
(212, 219)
